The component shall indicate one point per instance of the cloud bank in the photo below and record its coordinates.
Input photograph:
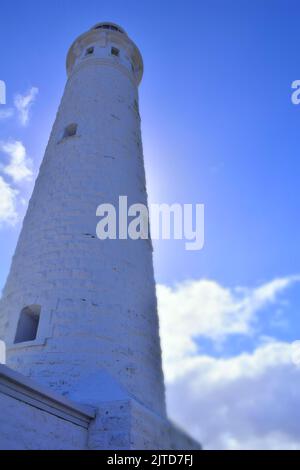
(19, 167)
(15, 165)
(250, 400)
(16, 168)
(8, 213)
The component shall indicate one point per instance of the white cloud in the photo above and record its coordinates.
(23, 104)
(19, 166)
(6, 113)
(205, 308)
(246, 401)
(8, 213)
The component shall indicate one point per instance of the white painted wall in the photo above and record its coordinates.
(33, 417)
(24, 427)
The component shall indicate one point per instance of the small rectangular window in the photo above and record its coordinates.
(28, 324)
(89, 51)
(115, 51)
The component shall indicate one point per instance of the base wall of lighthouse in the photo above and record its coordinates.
(36, 418)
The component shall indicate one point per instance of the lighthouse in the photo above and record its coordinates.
(78, 314)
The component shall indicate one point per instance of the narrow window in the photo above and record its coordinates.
(70, 131)
(28, 324)
(115, 51)
(89, 51)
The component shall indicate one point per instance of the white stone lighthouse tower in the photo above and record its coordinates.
(79, 314)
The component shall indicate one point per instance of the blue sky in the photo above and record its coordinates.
(218, 128)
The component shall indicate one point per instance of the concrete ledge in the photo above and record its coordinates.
(25, 390)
